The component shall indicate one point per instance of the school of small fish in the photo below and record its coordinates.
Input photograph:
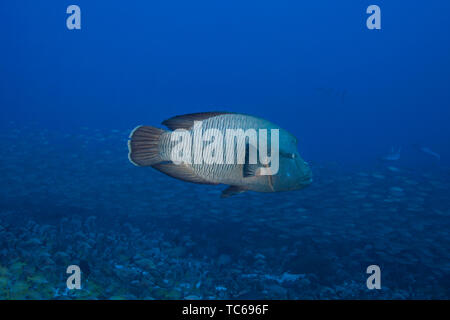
(73, 198)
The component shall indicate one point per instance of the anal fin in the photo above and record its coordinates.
(180, 171)
(232, 190)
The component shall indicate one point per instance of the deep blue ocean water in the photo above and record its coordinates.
(69, 195)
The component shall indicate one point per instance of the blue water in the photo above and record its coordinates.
(69, 99)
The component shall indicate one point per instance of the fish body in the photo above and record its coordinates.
(393, 155)
(430, 152)
(154, 147)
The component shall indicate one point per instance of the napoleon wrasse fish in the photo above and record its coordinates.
(154, 147)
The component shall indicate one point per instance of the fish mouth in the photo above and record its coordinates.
(306, 177)
(306, 181)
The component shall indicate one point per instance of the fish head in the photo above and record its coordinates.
(294, 173)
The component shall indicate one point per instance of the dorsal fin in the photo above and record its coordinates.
(181, 171)
(186, 121)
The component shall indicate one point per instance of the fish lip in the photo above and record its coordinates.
(306, 181)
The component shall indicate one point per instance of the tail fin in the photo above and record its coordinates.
(143, 146)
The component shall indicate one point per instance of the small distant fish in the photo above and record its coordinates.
(393, 155)
(150, 146)
(430, 152)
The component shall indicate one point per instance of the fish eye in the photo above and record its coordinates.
(289, 155)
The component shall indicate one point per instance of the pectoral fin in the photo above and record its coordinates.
(232, 190)
(250, 169)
